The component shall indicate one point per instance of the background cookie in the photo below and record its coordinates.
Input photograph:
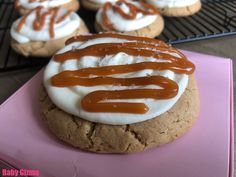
(181, 11)
(44, 31)
(73, 5)
(91, 5)
(44, 48)
(105, 138)
(144, 19)
(151, 31)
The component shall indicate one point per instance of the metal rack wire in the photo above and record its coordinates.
(9, 60)
(216, 19)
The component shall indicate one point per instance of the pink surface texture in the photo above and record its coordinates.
(205, 151)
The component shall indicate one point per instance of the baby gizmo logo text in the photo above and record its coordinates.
(21, 172)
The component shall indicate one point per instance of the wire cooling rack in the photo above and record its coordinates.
(9, 60)
(217, 18)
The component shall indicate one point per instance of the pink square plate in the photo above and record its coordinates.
(205, 151)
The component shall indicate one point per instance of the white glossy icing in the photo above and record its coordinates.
(69, 98)
(62, 29)
(171, 3)
(121, 24)
(47, 4)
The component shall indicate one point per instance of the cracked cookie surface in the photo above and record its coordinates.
(103, 138)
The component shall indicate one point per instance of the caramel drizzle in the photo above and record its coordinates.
(146, 9)
(130, 48)
(96, 101)
(17, 4)
(70, 78)
(83, 38)
(40, 19)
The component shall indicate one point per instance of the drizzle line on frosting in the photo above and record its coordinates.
(17, 4)
(40, 19)
(97, 101)
(83, 38)
(146, 9)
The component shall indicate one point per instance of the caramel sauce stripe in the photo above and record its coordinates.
(94, 101)
(83, 38)
(70, 78)
(40, 19)
(97, 101)
(145, 9)
(134, 49)
(17, 4)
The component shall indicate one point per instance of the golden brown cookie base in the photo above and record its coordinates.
(103, 138)
(91, 5)
(152, 31)
(73, 5)
(45, 48)
(183, 11)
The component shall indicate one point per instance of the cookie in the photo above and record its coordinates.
(144, 20)
(45, 48)
(113, 93)
(175, 8)
(94, 4)
(30, 38)
(182, 11)
(130, 138)
(25, 6)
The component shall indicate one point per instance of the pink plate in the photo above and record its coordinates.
(205, 151)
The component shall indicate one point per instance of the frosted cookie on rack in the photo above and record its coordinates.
(113, 93)
(94, 4)
(129, 17)
(176, 8)
(42, 31)
(24, 6)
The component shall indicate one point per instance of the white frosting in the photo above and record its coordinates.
(102, 1)
(62, 29)
(121, 24)
(171, 3)
(45, 4)
(69, 98)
